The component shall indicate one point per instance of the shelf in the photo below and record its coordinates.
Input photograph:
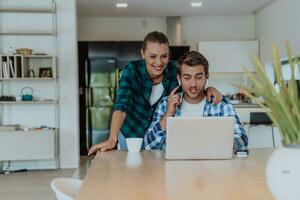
(16, 10)
(46, 131)
(28, 56)
(39, 56)
(27, 79)
(28, 33)
(228, 73)
(246, 105)
(29, 102)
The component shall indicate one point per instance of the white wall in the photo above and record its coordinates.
(68, 82)
(276, 23)
(194, 28)
(118, 28)
(210, 28)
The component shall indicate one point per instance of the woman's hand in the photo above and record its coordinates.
(103, 146)
(213, 92)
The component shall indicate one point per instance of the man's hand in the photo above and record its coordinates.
(173, 102)
(213, 92)
(103, 146)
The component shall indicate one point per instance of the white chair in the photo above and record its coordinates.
(65, 188)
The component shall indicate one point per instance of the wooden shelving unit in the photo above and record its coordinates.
(26, 71)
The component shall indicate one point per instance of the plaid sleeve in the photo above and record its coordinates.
(124, 91)
(240, 136)
(155, 137)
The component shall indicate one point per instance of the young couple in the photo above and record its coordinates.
(142, 104)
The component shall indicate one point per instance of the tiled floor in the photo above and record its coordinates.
(35, 185)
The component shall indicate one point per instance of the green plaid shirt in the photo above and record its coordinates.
(133, 96)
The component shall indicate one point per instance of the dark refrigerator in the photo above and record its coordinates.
(100, 88)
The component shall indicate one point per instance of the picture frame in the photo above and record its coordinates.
(45, 72)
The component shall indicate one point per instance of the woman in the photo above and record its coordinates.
(142, 85)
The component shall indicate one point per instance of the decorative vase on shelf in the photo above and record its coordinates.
(283, 173)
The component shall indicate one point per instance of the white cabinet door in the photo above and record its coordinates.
(229, 56)
(259, 136)
(27, 145)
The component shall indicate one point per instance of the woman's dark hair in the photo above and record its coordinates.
(155, 37)
(192, 58)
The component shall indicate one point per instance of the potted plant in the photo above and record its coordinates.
(283, 108)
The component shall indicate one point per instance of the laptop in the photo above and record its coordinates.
(199, 138)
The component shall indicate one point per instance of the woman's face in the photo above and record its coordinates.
(157, 57)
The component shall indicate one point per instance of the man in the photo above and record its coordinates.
(142, 85)
(192, 75)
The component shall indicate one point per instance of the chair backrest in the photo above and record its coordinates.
(65, 188)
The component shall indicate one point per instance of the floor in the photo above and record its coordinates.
(35, 185)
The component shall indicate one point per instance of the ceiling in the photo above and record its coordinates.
(163, 8)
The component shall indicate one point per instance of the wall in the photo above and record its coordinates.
(118, 28)
(194, 28)
(277, 22)
(209, 28)
(68, 82)
(219, 28)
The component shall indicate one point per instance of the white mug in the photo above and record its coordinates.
(134, 144)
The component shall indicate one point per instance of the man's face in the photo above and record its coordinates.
(193, 81)
(157, 57)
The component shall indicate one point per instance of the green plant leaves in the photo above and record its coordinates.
(284, 107)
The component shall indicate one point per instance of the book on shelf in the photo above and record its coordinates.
(12, 71)
(5, 69)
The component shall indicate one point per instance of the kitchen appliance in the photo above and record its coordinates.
(100, 88)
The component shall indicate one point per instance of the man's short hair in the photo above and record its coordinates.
(155, 37)
(192, 58)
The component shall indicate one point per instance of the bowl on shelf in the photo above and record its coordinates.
(24, 51)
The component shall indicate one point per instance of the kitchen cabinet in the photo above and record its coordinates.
(259, 135)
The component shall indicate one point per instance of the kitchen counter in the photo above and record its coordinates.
(246, 105)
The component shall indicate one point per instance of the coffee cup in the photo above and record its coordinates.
(134, 144)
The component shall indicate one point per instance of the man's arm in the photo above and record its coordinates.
(240, 136)
(156, 134)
